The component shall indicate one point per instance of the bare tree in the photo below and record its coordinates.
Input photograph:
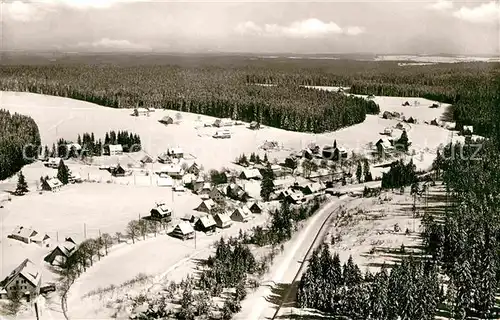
(143, 228)
(107, 241)
(133, 229)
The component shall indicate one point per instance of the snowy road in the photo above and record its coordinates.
(259, 304)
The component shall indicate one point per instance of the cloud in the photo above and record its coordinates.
(484, 13)
(440, 5)
(310, 28)
(113, 44)
(35, 10)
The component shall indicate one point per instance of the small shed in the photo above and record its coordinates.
(205, 224)
(406, 104)
(117, 171)
(222, 134)
(166, 120)
(222, 220)
(52, 184)
(241, 214)
(411, 120)
(254, 125)
(387, 115)
(226, 122)
(183, 231)
(42, 239)
(434, 122)
(146, 159)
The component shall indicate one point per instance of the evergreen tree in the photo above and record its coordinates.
(359, 172)
(267, 183)
(63, 172)
(22, 185)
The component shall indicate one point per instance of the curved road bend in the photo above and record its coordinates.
(258, 304)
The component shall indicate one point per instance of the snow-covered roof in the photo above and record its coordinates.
(207, 221)
(142, 110)
(176, 150)
(163, 209)
(207, 186)
(39, 237)
(469, 128)
(164, 181)
(188, 178)
(185, 227)
(75, 145)
(243, 211)
(315, 187)
(275, 167)
(171, 168)
(224, 218)
(385, 143)
(209, 203)
(28, 270)
(115, 148)
(54, 183)
(56, 160)
(251, 173)
(23, 232)
(200, 179)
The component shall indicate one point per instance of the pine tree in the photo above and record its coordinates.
(359, 172)
(267, 183)
(63, 172)
(22, 185)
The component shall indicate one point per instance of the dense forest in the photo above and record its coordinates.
(458, 274)
(19, 142)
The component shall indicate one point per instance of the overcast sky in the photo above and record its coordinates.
(403, 26)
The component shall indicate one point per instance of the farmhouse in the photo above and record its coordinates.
(241, 215)
(115, 149)
(142, 111)
(249, 174)
(60, 253)
(206, 206)
(205, 224)
(291, 196)
(193, 169)
(161, 213)
(173, 170)
(183, 231)
(222, 134)
(223, 221)
(23, 234)
(24, 279)
(117, 171)
(205, 189)
(255, 208)
(217, 194)
(164, 158)
(226, 122)
(52, 184)
(384, 145)
(269, 145)
(166, 120)
(313, 188)
(176, 153)
(53, 162)
(236, 192)
(41, 239)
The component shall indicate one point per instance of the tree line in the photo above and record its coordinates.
(19, 142)
(209, 90)
(410, 290)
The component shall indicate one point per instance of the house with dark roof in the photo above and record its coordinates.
(314, 187)
(205, 224)
(117, 171)
(236, 192)
(255, 208)
(193, 169)
(161, 213)
(24, 280)
(218, 194)
(254, 125)
(52, 184)
(146, 159)
(61, 253)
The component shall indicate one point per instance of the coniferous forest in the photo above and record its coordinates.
(17, 132)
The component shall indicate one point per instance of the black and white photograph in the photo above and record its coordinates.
(250, 160)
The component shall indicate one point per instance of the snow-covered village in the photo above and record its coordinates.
(140, 185)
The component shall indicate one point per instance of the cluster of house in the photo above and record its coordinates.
(396, 115)
(331, 152)
(297, 194)
(26, 279)
(207, 221)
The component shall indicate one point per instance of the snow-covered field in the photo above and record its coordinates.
(436, 59)
(107, 207)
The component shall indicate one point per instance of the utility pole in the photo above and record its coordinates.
(84, 231)
(195, 240)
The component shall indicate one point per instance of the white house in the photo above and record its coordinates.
(176, 152)
(250, 174)
(52, 184)
(24, 279)
(23, 234)
(222, 134)
(173, 170)
(115, 149)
